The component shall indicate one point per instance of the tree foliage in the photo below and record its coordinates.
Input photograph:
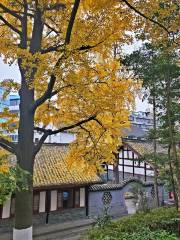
(70, 77)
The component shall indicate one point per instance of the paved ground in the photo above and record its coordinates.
(67, 231)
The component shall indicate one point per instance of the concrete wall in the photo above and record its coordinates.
(118, 205)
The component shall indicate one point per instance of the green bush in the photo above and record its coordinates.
(160, 219)
(103, 219)
(143, 234)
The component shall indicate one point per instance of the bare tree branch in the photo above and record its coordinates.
(9, 146)
(10, 25)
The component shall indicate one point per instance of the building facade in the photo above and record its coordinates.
(143, 120)
(56, 188)
(61, 193)
(132, 163)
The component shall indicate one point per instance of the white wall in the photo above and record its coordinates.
(82, 197)
(6, 209)
(53, 200)
(139, 171)
(42, 202)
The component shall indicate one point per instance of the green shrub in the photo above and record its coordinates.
(142, 234)
(103, 219)
(166, 219)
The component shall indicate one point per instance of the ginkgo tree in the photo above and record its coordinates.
(70, 78)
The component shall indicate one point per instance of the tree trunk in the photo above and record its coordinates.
(116, 169)
(25, 158)
(172, 178)
(175, 160)
(155, 152)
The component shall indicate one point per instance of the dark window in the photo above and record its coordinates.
(36, 202)
(68, 198)
(77, 198)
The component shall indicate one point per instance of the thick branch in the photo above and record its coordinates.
(51, 132)
(48, 132)
(9, 146)
(46, 95)
(71, 21)
(40, 143)
(10, 25)
(11, 12)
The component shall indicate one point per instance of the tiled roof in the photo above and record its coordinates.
(144, 147)
(113, 186)
(51, 169)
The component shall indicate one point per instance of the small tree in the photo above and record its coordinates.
(160, 73)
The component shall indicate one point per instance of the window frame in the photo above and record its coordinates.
(72, 195)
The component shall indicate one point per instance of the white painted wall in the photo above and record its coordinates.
(120, 168)
(6, 209)
(139, 171)
(53, 200)
(150, 173)
(120, 154)
(120, 161)
(125, 154)
(128, 162)
(128, 169)
(42, 202)
(82, 197)
(130, 154)
(23, 234)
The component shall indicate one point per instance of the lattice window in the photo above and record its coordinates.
(153, 192)
(107, 198)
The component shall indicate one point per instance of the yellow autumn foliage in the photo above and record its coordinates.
(89, 78)
(4, 165)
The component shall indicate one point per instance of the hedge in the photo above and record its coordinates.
(161, 219)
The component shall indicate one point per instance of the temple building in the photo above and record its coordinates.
(56, 187)
(64, 194)
(132, 160)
